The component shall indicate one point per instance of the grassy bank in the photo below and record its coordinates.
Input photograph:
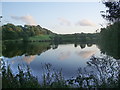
(81, 37)
(40, 38)
(33, 38)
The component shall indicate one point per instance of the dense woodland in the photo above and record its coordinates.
(11, 32)
(77, 37)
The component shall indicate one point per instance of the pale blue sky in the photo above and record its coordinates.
(59, 17)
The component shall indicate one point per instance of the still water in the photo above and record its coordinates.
(68, 57)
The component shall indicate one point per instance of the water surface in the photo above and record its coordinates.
(68, 57)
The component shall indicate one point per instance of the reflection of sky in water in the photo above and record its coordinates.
(67, 57)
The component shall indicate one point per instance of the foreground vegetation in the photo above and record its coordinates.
(109, 76)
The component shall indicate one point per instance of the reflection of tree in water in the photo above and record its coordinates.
(110, 48)
(89, 44)
(109, 38)
(37, 48)
(75, 45)
(82, 46)
(54, 46)
(11, 49)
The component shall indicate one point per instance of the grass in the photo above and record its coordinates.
(35, 38)
(54, 79)
(12, 40)
(40, 37)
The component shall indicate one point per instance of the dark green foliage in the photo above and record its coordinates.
(112, 14)
(12, 32)
(21, 80)
(77, 37)
(109, 40)
(9, 32)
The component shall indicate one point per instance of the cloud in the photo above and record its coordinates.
(85, 22)
(29, 20)
(64, 55)
(29, 59)
(63, 21)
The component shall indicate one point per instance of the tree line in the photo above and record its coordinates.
(76, 37)
(11, 32)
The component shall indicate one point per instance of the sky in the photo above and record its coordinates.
(59, 17)
(50, 0)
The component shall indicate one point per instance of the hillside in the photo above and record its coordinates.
(12, 32)
(37, 33)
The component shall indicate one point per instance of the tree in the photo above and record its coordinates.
(109, 36)
(112, 14)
